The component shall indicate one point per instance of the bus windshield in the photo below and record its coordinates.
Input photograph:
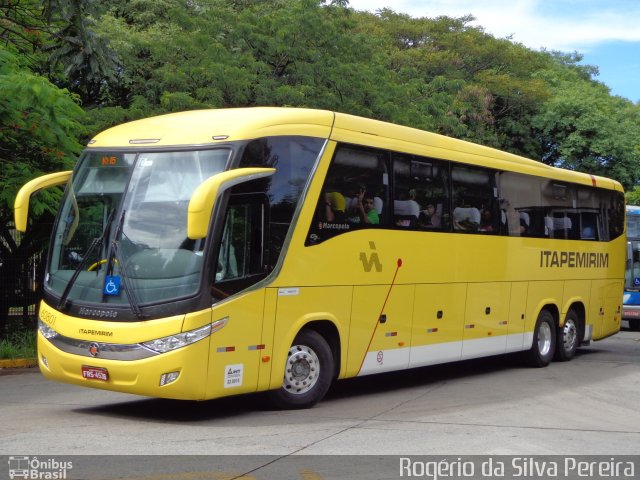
(123, 223)
(632, 272)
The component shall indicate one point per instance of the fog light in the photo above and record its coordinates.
(167, 378)
(44, 361)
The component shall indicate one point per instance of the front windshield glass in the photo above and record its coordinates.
(106, 239)
(632, 272)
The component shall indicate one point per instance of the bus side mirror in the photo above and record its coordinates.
(21, 205)
(207, 193)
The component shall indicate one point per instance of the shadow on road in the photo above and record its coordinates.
(619, 349)
(181, 411)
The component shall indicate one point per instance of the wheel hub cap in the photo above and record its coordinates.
(302, 370)
(569, 335)
(544, 339)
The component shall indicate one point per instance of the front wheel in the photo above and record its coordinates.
(308, 372)
(544, 341)
(567, 338)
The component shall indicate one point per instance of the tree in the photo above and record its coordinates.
(582, 127)
(39, 130)
(87, 61)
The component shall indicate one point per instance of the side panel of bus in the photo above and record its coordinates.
(438, 322)
(486, 325)
(236, 349)
(297, 307)
(381, 320)
(606, 307)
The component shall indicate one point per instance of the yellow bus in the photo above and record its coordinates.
(211, 253)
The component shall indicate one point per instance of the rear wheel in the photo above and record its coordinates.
(308, 372)
(568, 338)
(544, 341)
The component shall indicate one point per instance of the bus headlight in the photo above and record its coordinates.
(173, 342)
(46, 331)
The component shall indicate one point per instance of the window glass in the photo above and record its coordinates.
(475, 200)
(354, 195)
(241, 253)
(612, 206)
(421, 193)
(293, 158)
(540, 207)
(519, 198)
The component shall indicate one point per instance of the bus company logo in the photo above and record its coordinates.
(368, 263)
(100, 333)
(37, 469)
(569, 259)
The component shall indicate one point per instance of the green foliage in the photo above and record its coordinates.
(439, 74)
(39, 130)
(582, 127)
(86, 61)
(436, 74)
(633, 196)
(18, 345)
(55, 38)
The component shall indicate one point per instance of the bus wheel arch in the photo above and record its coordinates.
(311, 366)
(544, 338)
(570, 333)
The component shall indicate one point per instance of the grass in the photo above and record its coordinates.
(18, 345)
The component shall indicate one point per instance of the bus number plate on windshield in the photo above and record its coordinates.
(95, 373)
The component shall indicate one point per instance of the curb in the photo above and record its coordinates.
(18, 362)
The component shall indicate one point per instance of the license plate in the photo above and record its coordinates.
(95, 373)
(630, 313)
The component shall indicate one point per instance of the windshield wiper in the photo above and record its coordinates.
(62, 304)
(114, 254)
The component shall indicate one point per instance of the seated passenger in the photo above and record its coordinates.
(429, 218)
(334, 208)
(486, 223)
(364, 211)
(524, 224)
(406, 212)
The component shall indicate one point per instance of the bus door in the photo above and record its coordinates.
(236, 348)
(437, 323)
(486, 319)
(380, 332)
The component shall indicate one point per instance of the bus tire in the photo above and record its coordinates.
(544, 341)
(308, 372)
(568, 338)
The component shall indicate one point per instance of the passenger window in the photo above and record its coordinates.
(475, 201)
(421, 193)
(354, 194)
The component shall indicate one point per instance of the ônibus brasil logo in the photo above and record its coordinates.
(33, 468)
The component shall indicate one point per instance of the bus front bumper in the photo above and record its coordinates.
(178, 374)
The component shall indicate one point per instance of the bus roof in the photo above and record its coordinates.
(210, 127)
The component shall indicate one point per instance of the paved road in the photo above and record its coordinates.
(496, 406)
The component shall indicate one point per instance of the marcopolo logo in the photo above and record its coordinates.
(38, 469)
